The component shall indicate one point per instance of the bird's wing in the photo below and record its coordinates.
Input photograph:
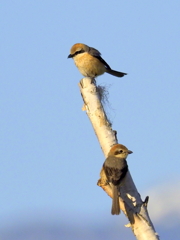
(95, 53)
(115, 169)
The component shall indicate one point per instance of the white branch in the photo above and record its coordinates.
(130, 201)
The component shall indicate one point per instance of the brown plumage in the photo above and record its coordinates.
(89, 61)
(115, 168)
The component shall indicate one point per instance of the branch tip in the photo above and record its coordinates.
(146, 200)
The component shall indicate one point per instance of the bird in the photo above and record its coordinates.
(89, 61)
(115, 168)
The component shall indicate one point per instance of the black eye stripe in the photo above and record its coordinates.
(78, 52)
(118, 152)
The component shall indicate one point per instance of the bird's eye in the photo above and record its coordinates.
(78, 52)
(118, 152)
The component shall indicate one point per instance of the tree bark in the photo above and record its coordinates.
(130, 200)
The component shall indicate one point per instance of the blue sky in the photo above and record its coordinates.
(50, 157)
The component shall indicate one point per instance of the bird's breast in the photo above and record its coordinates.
(88, 65)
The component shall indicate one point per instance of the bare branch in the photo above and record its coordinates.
(130, 201)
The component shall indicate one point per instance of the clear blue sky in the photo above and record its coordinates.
(50, 157)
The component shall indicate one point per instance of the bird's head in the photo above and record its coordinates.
(119, 150)
(78, 48)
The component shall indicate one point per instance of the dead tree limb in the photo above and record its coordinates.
(130, 200)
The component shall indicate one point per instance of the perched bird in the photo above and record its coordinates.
(89, 61)
(115, 168)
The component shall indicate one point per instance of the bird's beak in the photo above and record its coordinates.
(69, 56)
(129, 152)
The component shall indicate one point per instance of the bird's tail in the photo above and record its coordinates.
(115, 201)
(115, 73)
